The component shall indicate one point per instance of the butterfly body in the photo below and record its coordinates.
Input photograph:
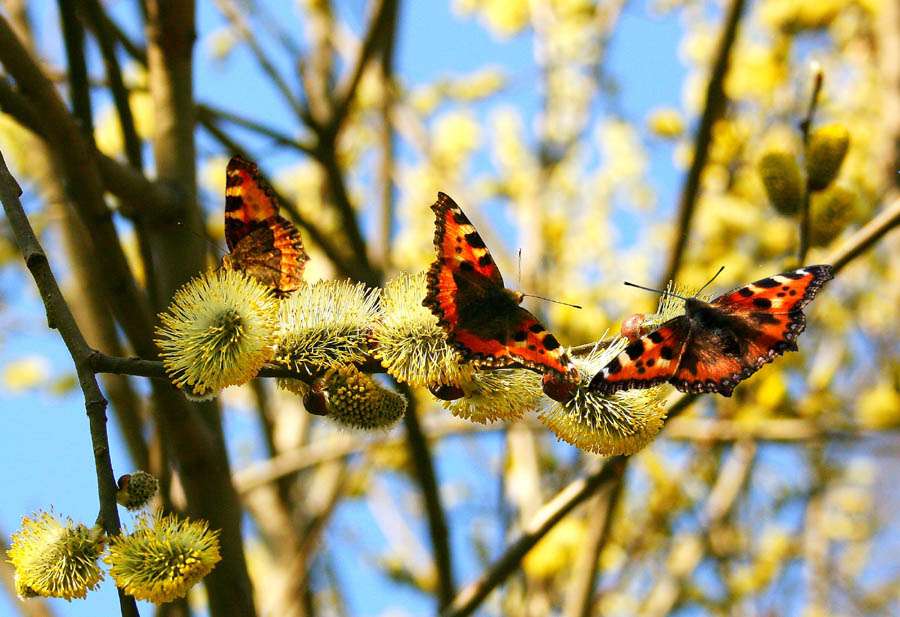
(717, 344)
(482, 318)
(261, 242)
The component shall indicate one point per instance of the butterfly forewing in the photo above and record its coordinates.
(782, 293)
(482, 319)
(647, 361)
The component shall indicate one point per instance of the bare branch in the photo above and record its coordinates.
(471, 597)
(805, 125)
(60, 318)
(865, 237)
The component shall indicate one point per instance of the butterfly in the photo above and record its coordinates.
(261, 243)
(717, 344)
(482, 318)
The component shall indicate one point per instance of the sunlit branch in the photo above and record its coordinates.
(865, 237)
(60, 318)
(805, 125)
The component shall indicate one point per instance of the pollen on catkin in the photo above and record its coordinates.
(410, 343)
(55, 559)
(219, 330)
(163, 557)
(325, 325)
(621, 423)
(496, 395)
(355, 400)
(136, 490)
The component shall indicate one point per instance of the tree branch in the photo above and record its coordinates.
(99, 24)
(805, 125)
(865, 237)
(715, 107)
(471, 597)
(60, 318)
(423, 471)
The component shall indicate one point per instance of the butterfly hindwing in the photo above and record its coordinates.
(262, 243)
(483, 319)
(647, 361)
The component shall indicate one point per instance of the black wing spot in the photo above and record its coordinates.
(795, 275)
(459, 218)
(613, 367)
(792, 292)
(745, 291)
(666, 353)
(520, 336)
(459, 239)
(641, 370)
(550, 343)
(465, 266)
(651, 362)
(475, 240)
(532, 347)
(536, 328)
(635, 349)
(767, 283)
(655, 337)
(763, 303)
(781, 294)
(459, 250)
(485, 260)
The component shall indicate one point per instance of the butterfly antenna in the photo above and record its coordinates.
(203, 237)
(656, 291)
(710, 281)
(549, 300)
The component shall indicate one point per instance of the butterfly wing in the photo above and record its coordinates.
(262, 243)
(464, 271)
(787, 292)
(739, 332)
(272, 254)
(482, 319)
(647, 361)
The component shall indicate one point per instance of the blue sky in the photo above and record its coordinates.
(47, 452)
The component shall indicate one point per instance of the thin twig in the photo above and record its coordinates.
(205, 111)
(60, 318)
(234, 16)
(805, 126)
(714, 108)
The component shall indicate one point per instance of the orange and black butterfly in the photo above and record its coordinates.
(261, 242)
(482, 318)
(717, 344)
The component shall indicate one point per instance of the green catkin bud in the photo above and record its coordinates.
(357, 401)
(825, 153)
(784, 185)
(829, 213)
(136, 490)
